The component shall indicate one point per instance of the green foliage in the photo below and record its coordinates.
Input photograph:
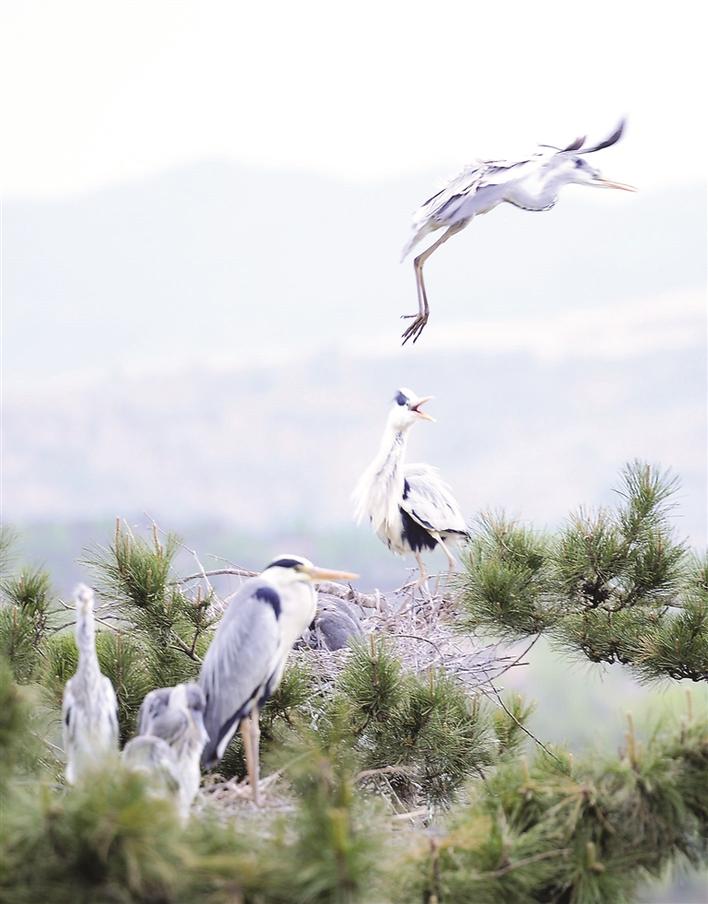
(173, 629)
(335, 854)
(505, 578)
(425, 735)
(24, 613)
(18, 746)
(562, 832)
(614, 586)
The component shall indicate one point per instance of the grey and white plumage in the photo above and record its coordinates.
(533, 183)
(245, 660)
(156, 760)
(89, 707)
(175, 717)
(409, 506)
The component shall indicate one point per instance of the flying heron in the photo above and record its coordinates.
(410, 508)
(170, 741)
(90, 708)
(246, 658)
(531, 184)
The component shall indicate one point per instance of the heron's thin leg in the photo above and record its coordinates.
(248, 753)
(422, 576)
(451, 562)
(255, 753)
(416, 328)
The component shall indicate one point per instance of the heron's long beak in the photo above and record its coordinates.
(606, 183)
(424, 414)
(325, 574)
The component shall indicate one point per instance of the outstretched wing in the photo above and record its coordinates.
(241, 660)
(429, 501)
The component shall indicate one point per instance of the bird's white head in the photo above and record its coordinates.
(290, 569)
(83, 597)
(188, 700)
(578, 171)
(406, 410)
(570, 163)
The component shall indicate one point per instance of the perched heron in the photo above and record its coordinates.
(531, 184)
(246, 658)
(170, 741)
(90, 708)
(410, 508)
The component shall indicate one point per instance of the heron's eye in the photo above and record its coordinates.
(401, 399)
(579, 163)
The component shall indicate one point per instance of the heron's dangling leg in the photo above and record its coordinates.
(416, 328)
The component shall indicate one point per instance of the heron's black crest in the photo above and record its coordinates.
(286, 563)
(576, 145)
(406, 488)
(270, 596)
(609, 141)
(400, 398)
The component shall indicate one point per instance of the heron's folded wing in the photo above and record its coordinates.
(429, 501)
(242, 656)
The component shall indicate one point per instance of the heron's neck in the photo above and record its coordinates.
(391, 451)
(539, 193)
(86, 642)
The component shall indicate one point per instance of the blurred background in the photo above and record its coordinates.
(203, 211)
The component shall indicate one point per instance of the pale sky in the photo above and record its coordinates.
(96, 93)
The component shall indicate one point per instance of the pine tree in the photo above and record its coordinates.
(393, 784)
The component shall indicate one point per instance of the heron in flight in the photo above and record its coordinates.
(89, 708)
(531, 184)
(246, 658)
(410, 508)
(170, 741)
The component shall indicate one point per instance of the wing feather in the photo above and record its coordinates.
(429, 501)
(241, 659)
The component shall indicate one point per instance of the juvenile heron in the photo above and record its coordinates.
(172, 718)
(531, 184)
(246, 658)
(410, 508)
(90, 708)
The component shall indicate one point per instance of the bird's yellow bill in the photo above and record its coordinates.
(327, 574)
(424, 414)
(606, 183)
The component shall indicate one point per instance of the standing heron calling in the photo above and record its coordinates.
(246, 658)
(531, 184)
(171, 738)
(410, 508)
(90, 708)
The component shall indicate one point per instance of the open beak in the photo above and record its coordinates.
(325, 574)
(424, 414)
(606, 183)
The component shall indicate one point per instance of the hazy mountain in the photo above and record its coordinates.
(216, 343)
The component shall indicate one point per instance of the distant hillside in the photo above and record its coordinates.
(222, 344)
(219, 261)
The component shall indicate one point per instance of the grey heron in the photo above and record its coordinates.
(409, 506)
(89, 708)
(172, 718)
(531, 184)
(246, 658)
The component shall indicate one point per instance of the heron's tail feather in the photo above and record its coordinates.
(209, 755)
(413, 241)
